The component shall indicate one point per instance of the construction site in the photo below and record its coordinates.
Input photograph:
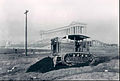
(38, 64)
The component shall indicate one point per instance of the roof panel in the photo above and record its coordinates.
(77, 37)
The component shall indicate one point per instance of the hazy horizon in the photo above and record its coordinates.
(101, 17)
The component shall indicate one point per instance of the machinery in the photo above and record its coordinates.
(71, 50)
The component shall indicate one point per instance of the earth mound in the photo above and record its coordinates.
(46, 64)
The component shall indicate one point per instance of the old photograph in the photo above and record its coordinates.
(59, 40)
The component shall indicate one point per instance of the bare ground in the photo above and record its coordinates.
(14, 67)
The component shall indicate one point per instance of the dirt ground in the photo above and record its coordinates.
(14, 67)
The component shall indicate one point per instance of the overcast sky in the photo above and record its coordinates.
(101, 17)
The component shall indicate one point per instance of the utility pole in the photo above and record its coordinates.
(26, 32)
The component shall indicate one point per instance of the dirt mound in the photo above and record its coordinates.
(116, 57)
(44, 65)
(101, 60)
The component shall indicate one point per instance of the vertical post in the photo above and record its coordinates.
(26, 32)
(74, 44)
(82, 45)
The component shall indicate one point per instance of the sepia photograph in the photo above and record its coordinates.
(59, 40)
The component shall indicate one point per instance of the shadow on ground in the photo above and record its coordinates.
(46, 64)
